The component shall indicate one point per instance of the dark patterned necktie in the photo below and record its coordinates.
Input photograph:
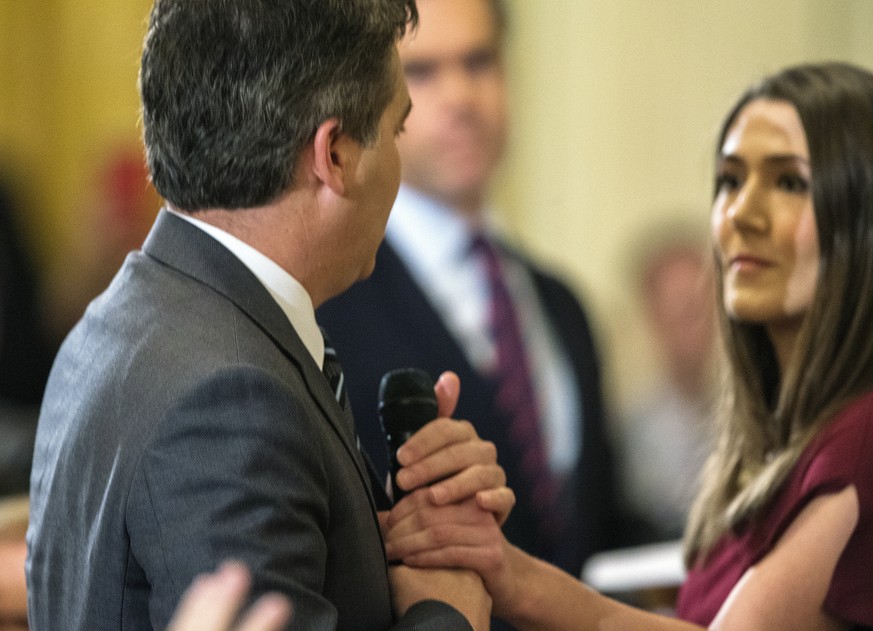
(516, 397)
(333, 370)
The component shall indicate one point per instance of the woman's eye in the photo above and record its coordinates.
(793, 183)
(727, 182)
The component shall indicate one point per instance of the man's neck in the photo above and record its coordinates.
(270, 229)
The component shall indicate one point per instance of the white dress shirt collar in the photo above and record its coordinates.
(430, 231)
(288, 293)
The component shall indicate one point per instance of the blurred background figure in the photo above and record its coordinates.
(25, 353)
(25, 360)
(450, 293)
(665, 434)
(36, 312)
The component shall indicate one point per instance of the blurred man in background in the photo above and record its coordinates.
(449, 293)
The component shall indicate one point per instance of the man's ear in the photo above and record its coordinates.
(335, 156)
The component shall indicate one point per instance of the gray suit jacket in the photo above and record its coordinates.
(185, 423)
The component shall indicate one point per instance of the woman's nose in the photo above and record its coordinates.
(748, 210)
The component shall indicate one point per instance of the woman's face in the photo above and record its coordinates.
(762, 219)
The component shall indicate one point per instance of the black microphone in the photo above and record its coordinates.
(406, 404)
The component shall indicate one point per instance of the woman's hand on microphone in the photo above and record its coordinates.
(449, 456)
(457, 499)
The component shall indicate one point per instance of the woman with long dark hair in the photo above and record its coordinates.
(781, 535)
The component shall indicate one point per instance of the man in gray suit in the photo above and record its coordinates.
(187, 418)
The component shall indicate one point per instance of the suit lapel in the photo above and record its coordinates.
(184, 247)
(425, 328)
(421, 321)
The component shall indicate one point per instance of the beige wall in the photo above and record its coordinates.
(616, 105)
(68, 105)
(68, 76)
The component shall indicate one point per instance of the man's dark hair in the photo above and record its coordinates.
(232, 90)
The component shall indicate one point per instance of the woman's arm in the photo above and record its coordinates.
(786, 590)
(534, 595)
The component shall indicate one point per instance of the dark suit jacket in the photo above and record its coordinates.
(387, 322)
(25, 351)
(184, 423)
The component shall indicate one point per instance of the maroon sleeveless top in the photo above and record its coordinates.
(841, 455)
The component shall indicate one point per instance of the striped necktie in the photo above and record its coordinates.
(333, 370)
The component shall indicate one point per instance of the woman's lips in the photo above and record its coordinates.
(748, 263)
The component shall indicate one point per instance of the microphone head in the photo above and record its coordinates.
(404, 383)
(406, 401)
(406, 404)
